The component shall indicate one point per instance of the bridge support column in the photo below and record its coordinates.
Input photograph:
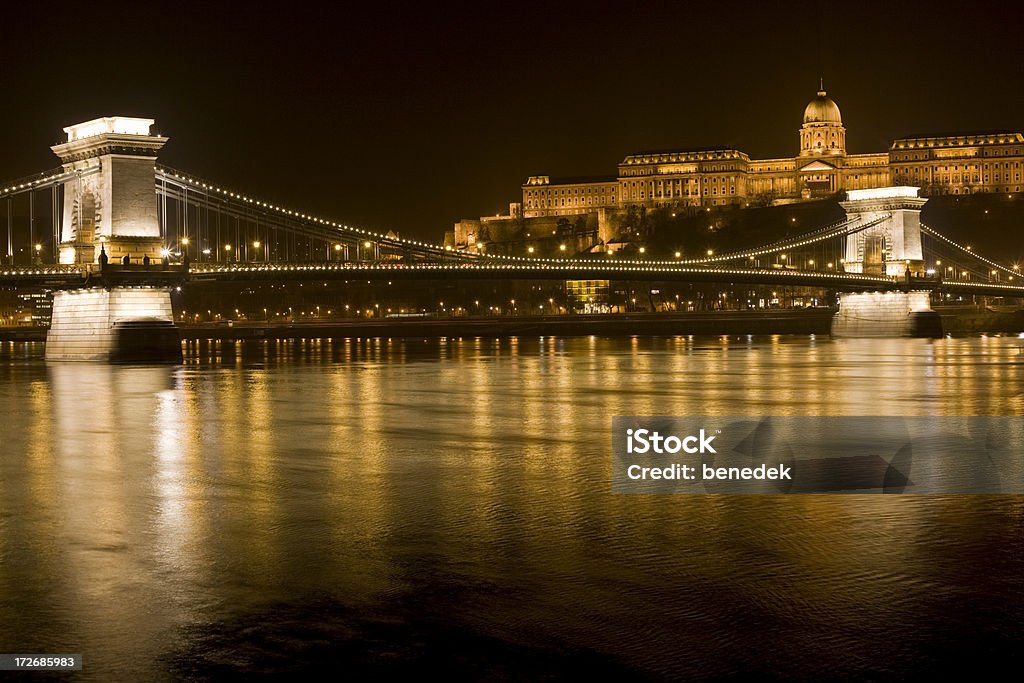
(886, 314)
(118, 324)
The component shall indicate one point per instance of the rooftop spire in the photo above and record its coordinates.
(821, 86)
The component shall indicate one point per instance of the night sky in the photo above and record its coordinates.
(410, 116)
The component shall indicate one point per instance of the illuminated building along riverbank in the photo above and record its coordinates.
(598, 211)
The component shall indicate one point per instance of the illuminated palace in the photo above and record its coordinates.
(697, 178)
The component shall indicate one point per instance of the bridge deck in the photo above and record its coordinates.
(71, 276)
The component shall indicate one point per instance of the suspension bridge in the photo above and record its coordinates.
(111, 230)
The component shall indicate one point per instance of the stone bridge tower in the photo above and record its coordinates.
(110, 204)
(892, 248)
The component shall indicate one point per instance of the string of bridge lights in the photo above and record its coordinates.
(166, 172)
(968, 250)
(821, 234)
(989, 286)
(48, 270)
(834, 230)
(56, 175)
(818, 235)
(360, 269)
(619, 267)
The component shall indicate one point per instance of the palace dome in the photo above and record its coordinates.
(822, 110)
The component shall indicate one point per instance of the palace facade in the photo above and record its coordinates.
(961, 163)
(939, 164)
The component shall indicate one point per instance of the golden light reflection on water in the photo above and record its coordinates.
(255, 475)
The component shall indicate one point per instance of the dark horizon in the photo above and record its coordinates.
(410, 118)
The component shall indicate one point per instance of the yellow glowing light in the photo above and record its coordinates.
(227, 247)
(882, 193)
(711, 252)
(256, 244)
(39, 247)
(367, 244)
(184, 240)
(561, 247)
(530, 249)
(123, 125)
(679, 254)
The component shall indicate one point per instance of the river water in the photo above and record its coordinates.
(414, 506)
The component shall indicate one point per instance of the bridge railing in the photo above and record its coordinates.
(51, 269)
